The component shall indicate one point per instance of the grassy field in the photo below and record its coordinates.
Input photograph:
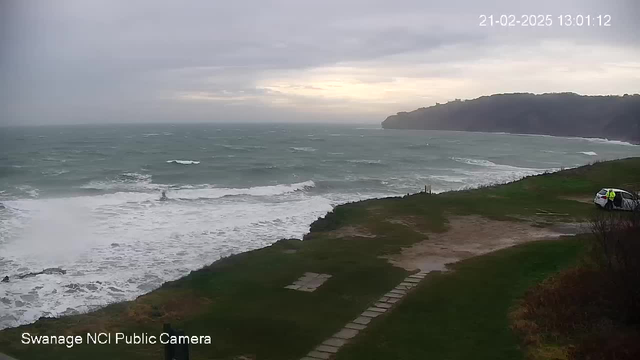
(463, 314)
(240, 301)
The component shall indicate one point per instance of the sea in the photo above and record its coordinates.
(86, 199)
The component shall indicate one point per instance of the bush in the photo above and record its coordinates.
(618, 253)
(591, 311)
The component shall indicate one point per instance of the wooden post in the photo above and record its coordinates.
(168, 348)
(182, 350)
(175, 352)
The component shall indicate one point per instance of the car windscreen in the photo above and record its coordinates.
(602, 192)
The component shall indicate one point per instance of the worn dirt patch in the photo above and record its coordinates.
(469, 236)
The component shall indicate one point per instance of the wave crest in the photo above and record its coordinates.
(366, 162)
(184, 162)
(302, 149)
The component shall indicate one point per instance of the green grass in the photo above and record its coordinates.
(463, 314)
(240, 301)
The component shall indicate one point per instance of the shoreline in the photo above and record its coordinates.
(93, 308)
(625, 142)
(302, 238)
(245, 296)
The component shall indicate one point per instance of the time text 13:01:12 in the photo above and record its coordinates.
(545, 20)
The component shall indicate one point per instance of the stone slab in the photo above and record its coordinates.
(346, 334)
(335, 341)
(319, 355)
(327, 348)
(370, 314)
(292, 287)
(383, 305)
(397, 291)
(377, 309)
(316, 282)
(407, 284)
(362, 320)
(393, 295)
(384, 299)
(412, 280)
(355, 326)
(393, 301)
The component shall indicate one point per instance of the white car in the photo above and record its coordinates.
(624, 200)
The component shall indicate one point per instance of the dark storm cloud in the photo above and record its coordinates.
(197, 60)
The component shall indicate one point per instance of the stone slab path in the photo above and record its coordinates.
(5, 357)
(308, 282)
(332, 345)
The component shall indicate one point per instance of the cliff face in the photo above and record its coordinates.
(562, 114)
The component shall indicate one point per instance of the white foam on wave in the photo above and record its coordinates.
(125, 182)
(598, 140)
(368, 162)
(184, 162)
(590, 153)
(302, 149)
(488, 172)
(607, 141)
(209, 192)
(490, 164)
(189, 192)
(479, 162)
(29, 190)
(118, 246)
(450, 178)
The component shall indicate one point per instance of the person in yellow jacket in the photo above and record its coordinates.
(611, 195)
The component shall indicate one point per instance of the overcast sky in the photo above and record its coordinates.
(98, 61)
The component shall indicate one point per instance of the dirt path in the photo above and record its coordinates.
(471, 236)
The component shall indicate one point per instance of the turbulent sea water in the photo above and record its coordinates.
(86, 199)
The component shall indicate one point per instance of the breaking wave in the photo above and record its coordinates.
(184, 162)
(112, 245)
(208, 192)
(302, 149)
(366, 162)
(125, 182)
